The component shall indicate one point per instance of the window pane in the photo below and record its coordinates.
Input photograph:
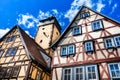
(76, 30)
(88, 46)
(97, 25)
(67, 74)
(16, 71)
(71, 49)
(38, 75)
(109, 42)
(12, 38)
(117, 40)
(13, 51)
(115, 71)
(92, 72)
(8, 52)
(79, 73)
(8, 39)
(64, 51)
(8, 73)
(2, 71)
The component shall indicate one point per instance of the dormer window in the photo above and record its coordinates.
(97, 25)
(76, 30)
(84, 15)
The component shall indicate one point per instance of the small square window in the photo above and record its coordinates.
(9, 39)
(117, 41)
(109, 43)
(89, 46)
(97, 25)
(11, 51)
(76, 30)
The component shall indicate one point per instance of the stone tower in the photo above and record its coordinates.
(48, 31)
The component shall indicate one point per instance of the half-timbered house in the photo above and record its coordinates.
(88, 49)
(21, 58)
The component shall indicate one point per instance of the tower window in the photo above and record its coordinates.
(43, 28)
(40, 41)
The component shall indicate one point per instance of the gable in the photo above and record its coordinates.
(12, 46)
(87, 21)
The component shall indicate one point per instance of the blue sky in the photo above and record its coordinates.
(27, 13)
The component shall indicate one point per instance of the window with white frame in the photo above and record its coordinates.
(67, 74)
(67, 50)
(79, 73)
(114, 69)
(71, 49)
(91, 71)
(76, 30)
(64, 50)
(109, 43)
(96, 25)
(117, 41)
(89, 46)
(88, 72)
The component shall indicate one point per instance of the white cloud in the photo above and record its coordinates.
(27, 20)
(3, 32)
(113, 8)
(100, 5)
(30, 21)
(75, 6)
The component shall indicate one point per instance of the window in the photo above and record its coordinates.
(89, 46)
(117, 41)
(12, 38)
(11, 51)
(38, 75)
(8, 72)
(91, 72)
(88, 72)
(109, 42)
(2, 71)
(64, 50)
(16, 71)
(67, 74)
(67, 50)
(76, 30)
(84, 15)
(79, 73)
(97, 25)
(71, 49)
(1, 53)
(114, 69)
